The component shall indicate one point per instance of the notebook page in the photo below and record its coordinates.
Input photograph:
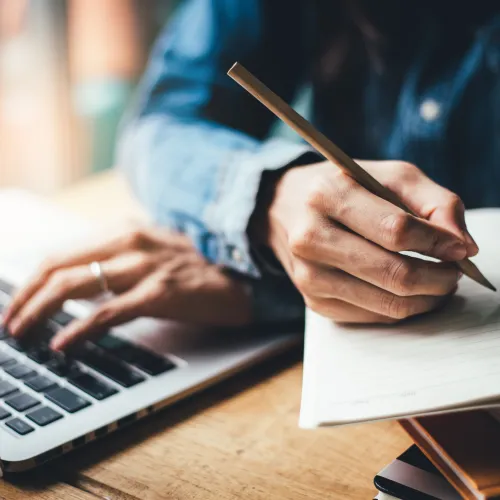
(436, 362)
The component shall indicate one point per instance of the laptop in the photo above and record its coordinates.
(51, 403)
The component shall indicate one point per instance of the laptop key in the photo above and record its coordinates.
(110, 367)
(4, 413)
(6, 388)
(16, 344)
(40, 333)
(111, 343)
(145, 360)
(20, 426)
(62, 366)
(62, 318)
(67, 399)
(5, 359)
(20, 371)
(92, 386)
(44, 416)
(3, 333)
(151, 363)
(22, 402)
(40, 383)
(40, 354)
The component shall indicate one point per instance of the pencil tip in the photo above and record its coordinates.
(487, 284)
(471, 270)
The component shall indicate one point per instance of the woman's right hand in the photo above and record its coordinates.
(340, 243)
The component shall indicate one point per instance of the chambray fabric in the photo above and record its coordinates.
(195, 145)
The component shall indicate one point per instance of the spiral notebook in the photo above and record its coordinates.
(441, 362)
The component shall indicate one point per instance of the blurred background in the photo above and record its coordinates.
(67, 71)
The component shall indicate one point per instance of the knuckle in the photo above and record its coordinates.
(311, 303)
(59, 283)
(455, 202)
(156, 292)
(145, 264)
(400, 277)
(303, 277)
(166, 276)
(344, 186)
(433, 242)
(407, 170)
(48, 266)
(320, 307)
(395, 307)
(315, 195)
(394, 230)
(103, 315)
(135, 239)
(302, 240)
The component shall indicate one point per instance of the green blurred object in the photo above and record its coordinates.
(99, 104)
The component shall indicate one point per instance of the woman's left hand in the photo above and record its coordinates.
(152, 272)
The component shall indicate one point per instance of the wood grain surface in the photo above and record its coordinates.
(238, 439)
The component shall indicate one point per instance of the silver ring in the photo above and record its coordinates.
(96, 270)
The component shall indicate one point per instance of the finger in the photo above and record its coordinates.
(333, 246)
(116, 311)
(130, 240)
(23, 295)
(330, 283)
(121, 273)
(430, 200)
(343, 312)
(385, 224)
(73, 283)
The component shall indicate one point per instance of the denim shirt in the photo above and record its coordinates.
(195, 145)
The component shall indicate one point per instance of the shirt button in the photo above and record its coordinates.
(236, 255)
(430, 110)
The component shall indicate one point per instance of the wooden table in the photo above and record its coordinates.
(238, 439)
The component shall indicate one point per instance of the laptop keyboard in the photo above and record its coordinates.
(115, 365)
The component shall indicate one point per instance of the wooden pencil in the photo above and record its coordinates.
(331, 152)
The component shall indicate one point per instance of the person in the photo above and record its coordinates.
(413, 87)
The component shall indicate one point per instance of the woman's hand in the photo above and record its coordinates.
(339, 243)
(152, 272)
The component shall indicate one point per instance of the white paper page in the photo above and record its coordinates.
(446, 359)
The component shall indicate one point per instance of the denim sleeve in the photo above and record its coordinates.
(194, 143)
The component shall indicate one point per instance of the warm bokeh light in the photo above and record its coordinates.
(66, 74)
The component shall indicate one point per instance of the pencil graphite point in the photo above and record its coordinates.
(487, 284)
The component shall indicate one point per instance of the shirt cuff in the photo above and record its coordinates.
(228, 216)
(276, 300)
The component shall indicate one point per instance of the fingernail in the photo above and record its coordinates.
(55, 345)
(472, 248)
(455, 251)
(13, 327)
(460, 275)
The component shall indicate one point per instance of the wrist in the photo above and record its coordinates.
(258, 229)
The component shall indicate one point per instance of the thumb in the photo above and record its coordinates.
(451, 216)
